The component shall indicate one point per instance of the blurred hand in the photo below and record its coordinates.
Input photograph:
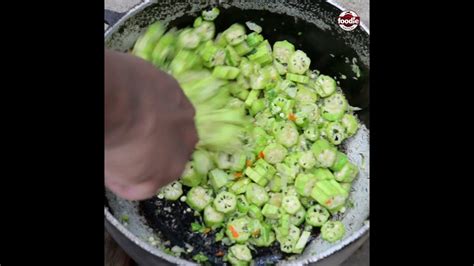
(149, 127)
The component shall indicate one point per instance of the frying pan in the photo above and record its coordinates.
(312, 26)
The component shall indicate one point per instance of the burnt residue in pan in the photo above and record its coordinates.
(172, 220)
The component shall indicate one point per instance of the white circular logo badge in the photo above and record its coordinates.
(348, 20)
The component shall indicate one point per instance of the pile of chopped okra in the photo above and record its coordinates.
(267, 167)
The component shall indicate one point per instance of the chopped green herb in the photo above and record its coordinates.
(196, 227)
(200, 257)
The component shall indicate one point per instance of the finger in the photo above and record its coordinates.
(140, 191)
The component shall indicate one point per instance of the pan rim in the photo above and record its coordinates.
(363, 230)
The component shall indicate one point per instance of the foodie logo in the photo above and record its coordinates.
(348, 20)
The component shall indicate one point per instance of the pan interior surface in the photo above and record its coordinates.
(312, 27)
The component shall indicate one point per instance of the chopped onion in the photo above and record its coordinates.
(253, 27)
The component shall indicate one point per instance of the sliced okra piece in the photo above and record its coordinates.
(335, 132)
(253, 96)
(275, 184)
(346, 186)
(183, 61)
(334, 107)
(202, 162)
(172, 191)
(269, 170)
(322, 174)
(255, 176)
(341, 160)
(240, 186)
(266, 237)
(188, 39)
(242, 83)
(212, 55)
(329, 193)
(220, 40)
(301, 243)
(257, 106)
(275, 153)
(164, 50)
(287, 134)
(284, 226)
(275, 199)
(263, 54)
(307, 201)
(198, 198)
(238, 161)
(145, 44)
(324, 85)
(212, 217)
(288, 87)
(297, 78)
(324, 153)
(224, 160)
(298, 62)
(232, 58)
(242, 204)
(255, 226)
(307, 160)
(271, 211)
(282, 105)
(241, 252)
(243, 95)
(238, 229)
(347, 173)
(288, 243)
(305, 95)
(287, 169)
(190, 177)
(256, 194)
(272, 74)
(254, 39)
(311, 132)
(259, 80)
(243, 48)
(255, 212)
(280, 67)
(350, 123)
(218, 178)
(226, 72)
(298, 218)
(197, 22)
(246, 67)
(310, 111)
(332, 231)
(291, 204)
(304, 184)
(235, 34)
(317, 215)
(210, 15)
(282, 50)
(206, 30)
(234, 261)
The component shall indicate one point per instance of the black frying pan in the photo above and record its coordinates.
(329, 47)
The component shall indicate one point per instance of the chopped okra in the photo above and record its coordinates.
(268, 165)
(332, 231)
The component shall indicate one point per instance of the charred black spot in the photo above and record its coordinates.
(173, 223)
